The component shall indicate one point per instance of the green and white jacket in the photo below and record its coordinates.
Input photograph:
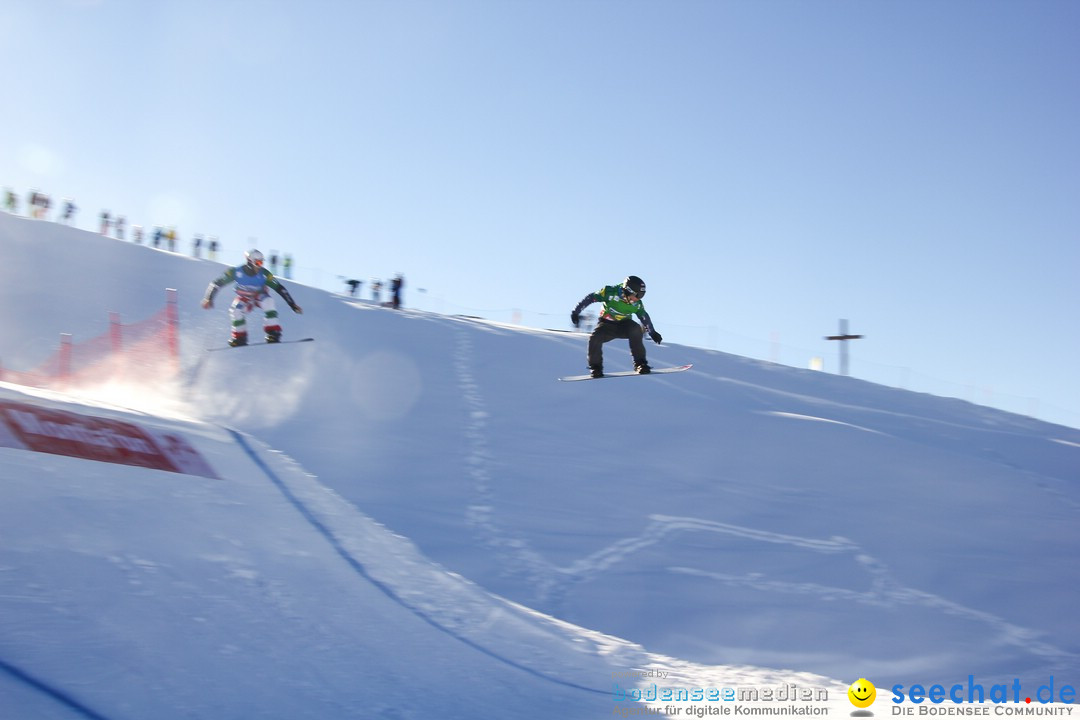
(616, 308)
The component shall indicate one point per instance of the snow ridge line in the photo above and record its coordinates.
(59, 695)
(383, 587)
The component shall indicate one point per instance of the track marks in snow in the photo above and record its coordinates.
(514, 553)
(884, 590)
(552, 584)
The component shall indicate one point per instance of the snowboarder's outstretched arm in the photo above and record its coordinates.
(647, 322)
(575, 314)
(211, 290)
(274, 283)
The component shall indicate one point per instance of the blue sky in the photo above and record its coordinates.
(767, 167)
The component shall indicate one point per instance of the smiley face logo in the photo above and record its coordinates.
(862, 693)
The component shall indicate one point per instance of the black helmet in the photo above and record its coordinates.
(634, 285)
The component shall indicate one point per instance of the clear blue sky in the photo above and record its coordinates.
(767, 166)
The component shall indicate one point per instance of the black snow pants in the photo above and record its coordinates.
(608, 330)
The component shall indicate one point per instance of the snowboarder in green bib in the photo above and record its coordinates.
(620, 302)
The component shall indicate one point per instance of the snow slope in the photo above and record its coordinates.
(469, 538)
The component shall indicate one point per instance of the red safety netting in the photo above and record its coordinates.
(147, 350)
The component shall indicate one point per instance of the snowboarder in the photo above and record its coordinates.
(252, 281)
(620, 302)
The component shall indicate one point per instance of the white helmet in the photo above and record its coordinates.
(254, 257)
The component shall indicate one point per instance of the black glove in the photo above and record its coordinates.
(575, 318)
(656, 337)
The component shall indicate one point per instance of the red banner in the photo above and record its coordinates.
(59, 432)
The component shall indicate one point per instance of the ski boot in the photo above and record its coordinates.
(596, 371)
(642, 368)
(273, 336)
(238, 339)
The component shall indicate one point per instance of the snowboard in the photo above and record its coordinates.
(256, 344)
(626, 373)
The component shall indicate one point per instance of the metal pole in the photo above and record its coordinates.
(845, 365)
(843, 338)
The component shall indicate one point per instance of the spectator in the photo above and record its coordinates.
(395, 290)
(106, 222)
(68, 212)
(39, 204)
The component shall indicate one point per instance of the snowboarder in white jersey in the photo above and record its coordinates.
(253, 284)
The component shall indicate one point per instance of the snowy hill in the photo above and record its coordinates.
(410, 518)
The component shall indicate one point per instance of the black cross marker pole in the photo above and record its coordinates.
(843, 337)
